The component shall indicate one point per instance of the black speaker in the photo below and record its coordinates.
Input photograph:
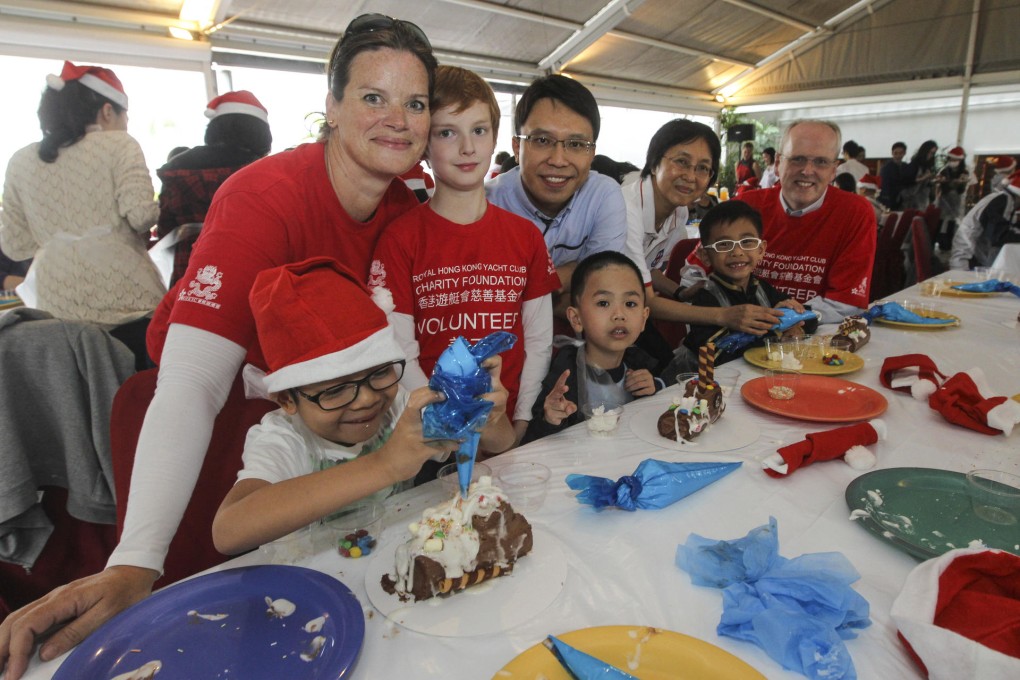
(740, 133)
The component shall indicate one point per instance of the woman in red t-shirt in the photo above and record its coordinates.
(330, 198)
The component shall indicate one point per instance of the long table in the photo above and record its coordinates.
(620, 565)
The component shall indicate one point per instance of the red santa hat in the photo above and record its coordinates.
(957, 153)
(961, 401)
(870, 182)
(1005, 165)
(958, 614)
(1014, 183)
(96, 78)
(317, 321)
(241, 101)
(913, 373)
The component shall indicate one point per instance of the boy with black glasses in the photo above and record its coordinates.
(345, 429)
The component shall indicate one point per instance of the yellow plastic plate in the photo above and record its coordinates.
(644, 652)
(756, 356)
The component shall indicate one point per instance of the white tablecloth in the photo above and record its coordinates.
(621, 565)
(1008, 259)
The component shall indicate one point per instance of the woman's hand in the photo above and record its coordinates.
(749, 318)
(557, 407)
(640, 383)
(73, 611)
(790, 303)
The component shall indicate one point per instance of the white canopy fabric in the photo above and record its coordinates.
(664, 54)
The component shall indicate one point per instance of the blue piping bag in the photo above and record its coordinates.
(654, 484)
(459, 375)
(583, 666)
(990, 286)
(894, 311)
(734, 342)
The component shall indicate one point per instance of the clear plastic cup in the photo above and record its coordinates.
(525, 483)
(994, 495)
(451, 481)
(356, 528)
(781, 384)
(603, 420)
(775, 350)
(727, 377)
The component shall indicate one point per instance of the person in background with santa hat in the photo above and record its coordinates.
(346, 429)
(1004, 167)
(951, 184)
(988, 225)
(237, 134)
(81, 203)
(868, 188)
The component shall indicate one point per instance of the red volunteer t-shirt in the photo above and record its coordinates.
(278, 210)
(827, 253)
(465, 279)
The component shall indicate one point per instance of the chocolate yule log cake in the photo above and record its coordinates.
(460, 543)
(701, 404)
(853, 334)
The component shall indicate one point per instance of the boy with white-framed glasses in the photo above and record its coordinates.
(731, 243)
(345, 429)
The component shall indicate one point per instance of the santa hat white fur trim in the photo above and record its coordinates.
(947, 654)
(1004, 416)
(860, 458)
(379, 348)
(237, 107)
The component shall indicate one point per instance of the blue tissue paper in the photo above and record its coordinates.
(459, 375)
(990, 286)
(582, 666)
(734, 342)
(798, 610)
(894, 311)
(654, 484)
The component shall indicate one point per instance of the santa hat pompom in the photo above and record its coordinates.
(860, 458)
(383, 299)
(923, 388)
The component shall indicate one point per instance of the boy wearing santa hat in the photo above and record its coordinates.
(345, 429)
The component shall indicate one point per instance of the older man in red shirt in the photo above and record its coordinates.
(821, 240)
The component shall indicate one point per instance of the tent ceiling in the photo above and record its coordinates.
(667, 54)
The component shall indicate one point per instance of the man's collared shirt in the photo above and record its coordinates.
(800, 213)
(594, 220)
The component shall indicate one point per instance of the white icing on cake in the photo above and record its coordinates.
(446, 534)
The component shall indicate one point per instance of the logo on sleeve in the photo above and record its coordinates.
(202, 289)
(861, 288)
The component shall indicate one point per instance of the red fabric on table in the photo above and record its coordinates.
(960, 402)
(979, 598)
(828, 445)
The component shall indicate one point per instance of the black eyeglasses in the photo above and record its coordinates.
(338, 396)
(368, 23)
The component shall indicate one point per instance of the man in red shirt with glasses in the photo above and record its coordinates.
(821, 239)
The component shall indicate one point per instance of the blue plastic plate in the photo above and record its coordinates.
(221, 625)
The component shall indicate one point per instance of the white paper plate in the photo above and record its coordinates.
(490, 607)
(731, 431)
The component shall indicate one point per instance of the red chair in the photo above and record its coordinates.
(192, 548)
(933, 220)
(674, 332)
(925, 265)
(889, 272)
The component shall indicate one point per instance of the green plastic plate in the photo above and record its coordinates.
(924, 512)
